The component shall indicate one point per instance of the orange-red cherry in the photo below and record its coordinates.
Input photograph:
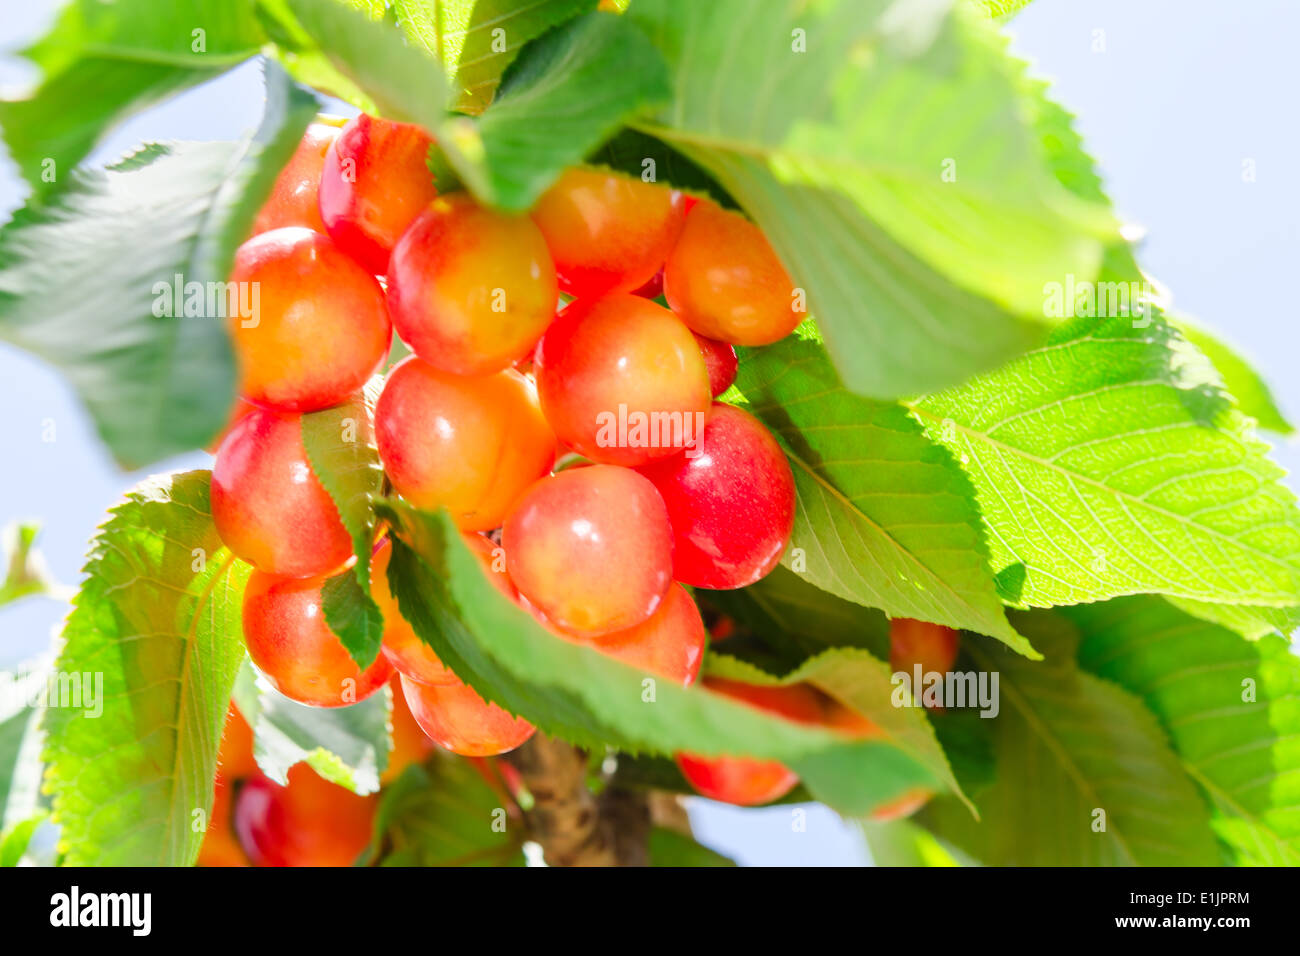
(310, 822)
(268, 505)
(311, 326)
(374, 183)
(471, 289)
(457, 718)
(607, 232)
(294, 199)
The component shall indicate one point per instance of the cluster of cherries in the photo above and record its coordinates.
(576, 441)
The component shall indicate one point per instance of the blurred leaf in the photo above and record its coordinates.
(478, 39)
(444, 813)
(884, 516)
(22, 705)
(863, 684)
(102, 63)
(14, 841)
(568, 91)
(885, 152)
(25, 571)
(1230, 706)
(903, 843)
(577, 693)
(1250, 622)
(150, 653)
(1110, 462)
(637, 154)
(345, 745)
(154, 384)
(670, 848)
(340, 444)
(1071, 747)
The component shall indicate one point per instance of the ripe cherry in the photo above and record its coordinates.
(471, 289)
(911, 642)
(317, 327)
(725, 281)
(220, 846)
(670, 643)
(720, 359)
(621, 380)
(591, 549)
(410, 744)
(457, 718)
(294, 199)
(375, 181)
(310, 822)
(235, 757)
(748, 781)
(238, 410)
(470, 444)
(268, 505)
(731, 506)
(292, 645)
(607, 232)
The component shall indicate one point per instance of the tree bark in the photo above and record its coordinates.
(572, 825)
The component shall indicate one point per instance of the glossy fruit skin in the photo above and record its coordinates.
(289, 641)
(669, 644)
(746, 781)
(375, 182)
(319, 328)
(410, 744)
(607, 232)
(268, 505)
(455, 264)
(912, 642)
(468, 444)
(625, 358)
(591, 549)
(310, 822)
(401, 645)
(458, 719)
(720, 359)
(725, 281)
(238, 410)
(731, 507)
(294, 199)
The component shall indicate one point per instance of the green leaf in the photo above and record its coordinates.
(1252, 393)
(345, 745)
(1110, 462)
(884, 516)
(25, 571)
(465, 36)
(149, 657)
(1229, 706)
(21, 708)
(1069, 748)
(577, 693)
(13, 843)
(340, 444)
(566, 93)
(155, 385)
(102, 63)
(903, 843)
(1251, 623)
(920, 271)
(403, 83)
(1001, 8)
(863, 684)
(637, 154)
(445, 814)
(669, 848)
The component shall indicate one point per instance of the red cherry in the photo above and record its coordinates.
(457, 718)
(731, 506)
(310, 822)
(720, 359)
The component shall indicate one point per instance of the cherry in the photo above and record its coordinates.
(375, 181)
(933, 646)
(467, 444)
(458, 719)
(410, 744)
(471, 289)
(268, 505)
(291, 644)
(670, 643)
(748, 781)
(220, 846)
(607, 232)
(621, 380)
(235, 757)
(725, 281)
(238, 410)
(401, 645)
(720, 359)
(731, 506)
(294, 197)
(591, 549)
(310, 822)
(653, 288)
(316, 326)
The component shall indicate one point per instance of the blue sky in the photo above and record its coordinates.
(1173, 96)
